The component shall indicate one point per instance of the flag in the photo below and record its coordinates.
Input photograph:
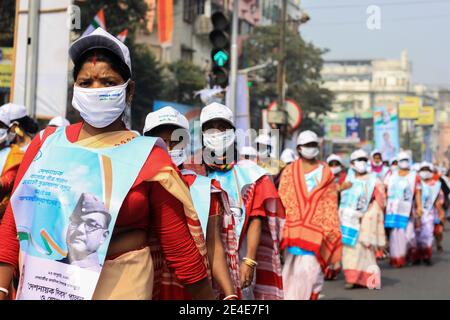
(165, 22)
(123, 35)
(99, 21)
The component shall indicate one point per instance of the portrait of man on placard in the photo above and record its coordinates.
(87, 231)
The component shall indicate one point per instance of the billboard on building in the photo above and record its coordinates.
(6, 58)
(386, 128)
(426, 117)
(335, 128)
(409, 107)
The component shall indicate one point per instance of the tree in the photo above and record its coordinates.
(121, 14)
(303, 65)
(183, 80)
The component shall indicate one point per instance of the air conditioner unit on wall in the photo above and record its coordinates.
(203, 25)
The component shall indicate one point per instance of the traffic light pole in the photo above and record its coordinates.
(234, 56)
(32, 53)
(281, 71)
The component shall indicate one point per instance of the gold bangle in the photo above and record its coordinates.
(250, 262)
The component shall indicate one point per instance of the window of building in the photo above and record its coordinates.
(192, 9)
(187, 54)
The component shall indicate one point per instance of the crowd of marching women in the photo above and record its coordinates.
(93, 210)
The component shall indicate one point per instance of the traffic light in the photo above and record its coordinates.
(220, 53)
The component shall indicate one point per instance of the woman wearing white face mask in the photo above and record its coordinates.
(214, 215)
(376, 164)
(133, 176)
(311, 234)
(16, 132)
(254, 201)
(336, 166)
(403, 192)
(361, 210)
(432, 206)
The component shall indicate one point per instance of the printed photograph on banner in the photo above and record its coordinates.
(386, 130)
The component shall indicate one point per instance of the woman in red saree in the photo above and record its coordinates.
(158, 203)
(311, 235)
(254, 202)
(171, 126)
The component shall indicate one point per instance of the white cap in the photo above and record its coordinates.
(426, 164)
(59, 122)
(392, 160)
(4, 115)
(307, 136)
(360, 153)
(166, 115)
(403, 156)
(216, 110)
(100, 39)
(248, 151)
(12, 111)
(334, 157)
(374, 152)
(288, 156)
(264, 139)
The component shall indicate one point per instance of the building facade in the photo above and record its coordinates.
(359, 85)
(191, 28)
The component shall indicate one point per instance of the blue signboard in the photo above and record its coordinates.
(352, 125)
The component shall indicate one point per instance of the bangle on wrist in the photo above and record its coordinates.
(229, 297)
(250, 262)
(4, 290)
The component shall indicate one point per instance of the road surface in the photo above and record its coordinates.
(411, 282)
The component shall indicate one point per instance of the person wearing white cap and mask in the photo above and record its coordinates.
(337, 167)
(135, 176)
(376, 164)
(58, 121)
(311, 233)
(433, 213)
(170, 125)
(265, 159)
(254, 202)
(361, 211)
(18, 129)
(403, 194)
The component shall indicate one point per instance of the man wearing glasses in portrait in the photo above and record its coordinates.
(87, 231)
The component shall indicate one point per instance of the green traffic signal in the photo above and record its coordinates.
(220, 58)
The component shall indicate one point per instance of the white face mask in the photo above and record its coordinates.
(219, 142)
(178, 156)
(336, 170)
(360, 166)
(425, 175)
(309, 152)
(394, 168)
(404, 164)
(3, 135)
(101, 106)
(377, 164)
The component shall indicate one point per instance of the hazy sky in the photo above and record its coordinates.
(420, 26)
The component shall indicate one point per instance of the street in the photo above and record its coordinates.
(411, 282)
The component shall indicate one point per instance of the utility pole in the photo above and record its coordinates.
(32, 56)
(234, 56)
(281, 71)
